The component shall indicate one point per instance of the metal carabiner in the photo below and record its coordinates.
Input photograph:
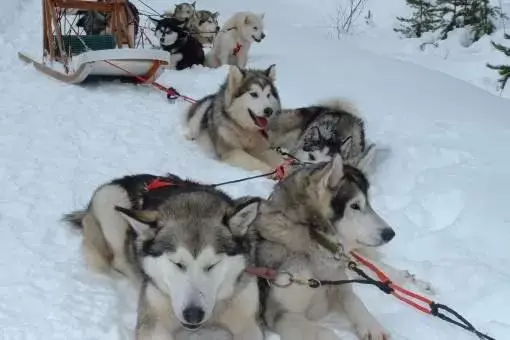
(283, 280)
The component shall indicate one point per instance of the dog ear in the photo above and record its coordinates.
(215, 15)
(142, 221)
(333, 173)
(271, 72)
(261, 15)
(193, 4)
(366, 160)
(346, 147)
(235, 77)
(315, 134)
(243, 216)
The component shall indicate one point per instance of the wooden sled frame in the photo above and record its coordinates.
(96, 55)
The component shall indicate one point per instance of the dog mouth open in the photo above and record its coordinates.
(256, 39)
(191, 326)
(260, 122)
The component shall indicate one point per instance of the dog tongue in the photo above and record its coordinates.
(261, 122)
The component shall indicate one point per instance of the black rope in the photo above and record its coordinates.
(149, 7)
(244, 179)
(463, 323)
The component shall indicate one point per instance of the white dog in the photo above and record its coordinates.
(233, 42)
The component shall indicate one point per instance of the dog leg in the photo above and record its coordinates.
(242, 57)
(271, 157)
(153, 332)
(367, 327)
(252, 331)
(242, 159)
(295, 326)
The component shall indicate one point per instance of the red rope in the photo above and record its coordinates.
(170, 91)
(402, 297)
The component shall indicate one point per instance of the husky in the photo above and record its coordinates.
(182, 12)
(230, 123)
(330, 198)
(185, 244)
(204, 26)
(94, 23)
(232, 43)
(317, 133)
(185, 50)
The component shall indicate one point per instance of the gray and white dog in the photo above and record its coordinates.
(186, 245)
(231, 123)
(331, 198)
(316, 133)
(183, 11)
(204, 26)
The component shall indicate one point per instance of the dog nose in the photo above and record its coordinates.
(217, 29)
(387, 234)
(268, 111)
(262, 36)
(193, 315)
(162, 40)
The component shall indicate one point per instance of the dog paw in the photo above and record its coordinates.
(189, 136)
(373, 332)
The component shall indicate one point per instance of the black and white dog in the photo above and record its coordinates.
(175, 38)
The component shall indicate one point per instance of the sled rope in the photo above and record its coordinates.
(420, 303)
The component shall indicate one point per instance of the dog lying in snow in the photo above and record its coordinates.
(233, 42)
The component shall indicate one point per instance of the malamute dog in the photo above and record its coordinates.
(184, 48)
(188, 243)
(231, 122)
(94, 22)
(204, 26)
(332, 198)
(234, 40)
(317, 133)
(182, 11)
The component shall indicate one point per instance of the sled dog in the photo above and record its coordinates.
(230, 123)
(331, 198)
(232, 43)
(182, 11)
(94, 22)
(187, 245)
(185, 50)
(316, 133)
(204, 26)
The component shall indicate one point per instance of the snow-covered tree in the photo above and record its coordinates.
(503, 70)
(478, 15)
(423, 19)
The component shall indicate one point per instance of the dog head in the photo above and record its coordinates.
(168, 31)
(339, 192)
(316, 146)
(205, 22)
(251, 97)
(252, 27)
(184, 11)
(193, 248)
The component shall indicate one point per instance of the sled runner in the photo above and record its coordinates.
(73, 57)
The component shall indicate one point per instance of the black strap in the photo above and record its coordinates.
(435, 310)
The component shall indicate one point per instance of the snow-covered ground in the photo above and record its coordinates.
(442, 186)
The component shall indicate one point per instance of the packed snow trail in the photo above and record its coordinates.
(442, 184)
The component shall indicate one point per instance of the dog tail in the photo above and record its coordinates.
(341, 105)
(75, 218)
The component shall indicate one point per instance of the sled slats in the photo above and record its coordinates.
(74, 44)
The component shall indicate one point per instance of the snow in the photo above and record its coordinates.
(442, 183)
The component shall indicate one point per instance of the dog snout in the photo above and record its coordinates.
(268, 111)
(387, 234)
(262, 36)
(162, 40)
(217, 29)
(193, 315)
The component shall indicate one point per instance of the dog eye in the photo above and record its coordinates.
(355, 206)
(254, 94)
(311, 157)
(209, 268)
(179, 265)
(255, 28)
